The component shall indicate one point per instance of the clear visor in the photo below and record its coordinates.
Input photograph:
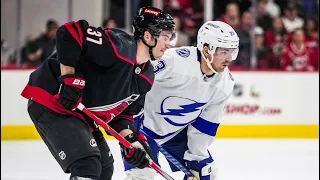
(227, 53)
(168, 37)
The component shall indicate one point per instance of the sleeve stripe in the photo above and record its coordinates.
(80, 32)
(73, 32)
(75, 28)
(205, 126)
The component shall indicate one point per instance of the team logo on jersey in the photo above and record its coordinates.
(180, 111)
(62, 155)
(183, 52)
(110, 111)
(93, 143)
(137, 70)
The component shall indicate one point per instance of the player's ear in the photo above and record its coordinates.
(205, 51)
(147, 37)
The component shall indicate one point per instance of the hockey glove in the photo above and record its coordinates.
(202, 170)
(137, 156)
(70, 91)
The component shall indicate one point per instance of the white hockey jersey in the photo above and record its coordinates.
(181, 96)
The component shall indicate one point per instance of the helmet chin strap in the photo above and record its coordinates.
(150, 48)
(209, 62)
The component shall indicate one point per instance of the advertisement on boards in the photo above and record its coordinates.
(273, 98)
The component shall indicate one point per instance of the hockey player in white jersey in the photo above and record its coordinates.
(183, 108)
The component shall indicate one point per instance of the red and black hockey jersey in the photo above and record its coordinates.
(106, 59)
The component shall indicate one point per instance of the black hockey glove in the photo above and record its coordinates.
(70, 91)
(137, 156)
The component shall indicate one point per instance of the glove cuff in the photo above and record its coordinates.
(142, 137)
(75, 80)
(136, 137)
(131, 138)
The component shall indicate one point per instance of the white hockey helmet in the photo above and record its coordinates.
(217, 34)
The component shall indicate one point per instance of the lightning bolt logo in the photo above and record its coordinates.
(182, 110)
(185, 109)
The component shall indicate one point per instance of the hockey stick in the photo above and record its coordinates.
(173, 160)
(123, 141)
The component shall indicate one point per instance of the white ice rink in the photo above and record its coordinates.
(236, 159)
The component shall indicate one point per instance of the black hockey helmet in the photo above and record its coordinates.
(154, 21)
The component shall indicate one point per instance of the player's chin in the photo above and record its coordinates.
(221, 69)
(158, 55)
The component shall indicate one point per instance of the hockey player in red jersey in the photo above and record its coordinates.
(109, 72)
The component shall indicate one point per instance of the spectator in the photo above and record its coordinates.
(183, 39)
(47, 41)
(301, 8)
(297, 56)
(196, 12)
(263, 18)
(311, 32)
(243, 31)
(217, 10)
(192, 9)
(6, 53)
(109, 23)
(244, 5)
(117, 12)
(231, 16)
(277, 37)
(283, 4)
(176, 5)
(291, 20)
(31, 54)
(265, 57)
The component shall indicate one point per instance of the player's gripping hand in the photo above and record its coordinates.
(137, 156)
(202, 170)
(70, 91)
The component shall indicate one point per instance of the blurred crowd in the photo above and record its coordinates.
(34, 51)
(274, 34)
